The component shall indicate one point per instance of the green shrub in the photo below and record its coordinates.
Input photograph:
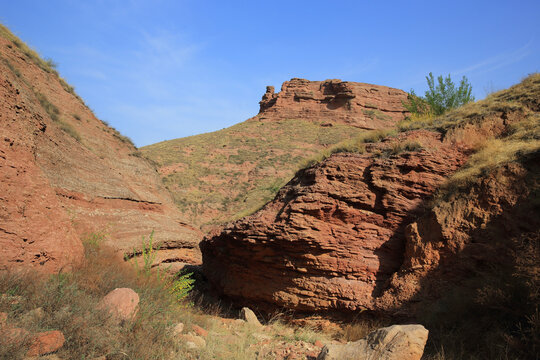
(440, 97)
(181, 286)
(148, 254)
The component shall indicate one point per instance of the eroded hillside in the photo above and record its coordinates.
(230, 173)
(66, 175)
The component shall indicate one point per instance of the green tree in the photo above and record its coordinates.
(441, 96)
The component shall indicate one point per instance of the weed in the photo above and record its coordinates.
(49, 107)
(70, 130)
(51, 63)
(181, 286)
(13, 69)
(68, 88)
(148, 254)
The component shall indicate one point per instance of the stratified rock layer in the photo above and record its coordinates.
(334, 235)
(64, 175)
(361, 105)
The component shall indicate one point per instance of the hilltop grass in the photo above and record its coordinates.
(521, 138)
(237, 170)
(47, 65)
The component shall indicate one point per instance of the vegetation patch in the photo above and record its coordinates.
(70, 130)
(48, 106)
(69, 302)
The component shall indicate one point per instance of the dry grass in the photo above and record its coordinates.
(70, 130)
(521, 138)
(49, 107)
(47, 65)
(69, 303)
(355, 145)
(493, 153)
(359, 329)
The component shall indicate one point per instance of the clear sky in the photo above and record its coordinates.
(162, 69)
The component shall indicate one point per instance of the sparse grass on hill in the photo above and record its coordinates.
(355, 145)
(230, 173)
(47, 65)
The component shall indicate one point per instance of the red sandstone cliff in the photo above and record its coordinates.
(65, 174)
(362, 231)
(361, 105)
(334, 235)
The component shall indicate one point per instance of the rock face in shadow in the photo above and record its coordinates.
(361, 105)
(475, 229)
(334, 235)
(64, 174)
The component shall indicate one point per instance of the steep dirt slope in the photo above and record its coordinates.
(364, 231)
(64, 174)
(229, 173)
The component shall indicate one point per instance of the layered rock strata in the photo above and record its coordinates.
(361, 105)
(334, 235)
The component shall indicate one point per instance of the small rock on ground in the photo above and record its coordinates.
(46, 342)
(178, 328)
(194, 341)
(199, 330)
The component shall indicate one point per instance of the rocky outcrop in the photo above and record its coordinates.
(64, 175)
(363, 231)
(361, 105)
(334, 235)
(396, 342)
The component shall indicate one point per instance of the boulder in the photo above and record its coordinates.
(249, 316)
(397, 342)
(121, 303)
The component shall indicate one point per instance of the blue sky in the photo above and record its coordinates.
(163, 69)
